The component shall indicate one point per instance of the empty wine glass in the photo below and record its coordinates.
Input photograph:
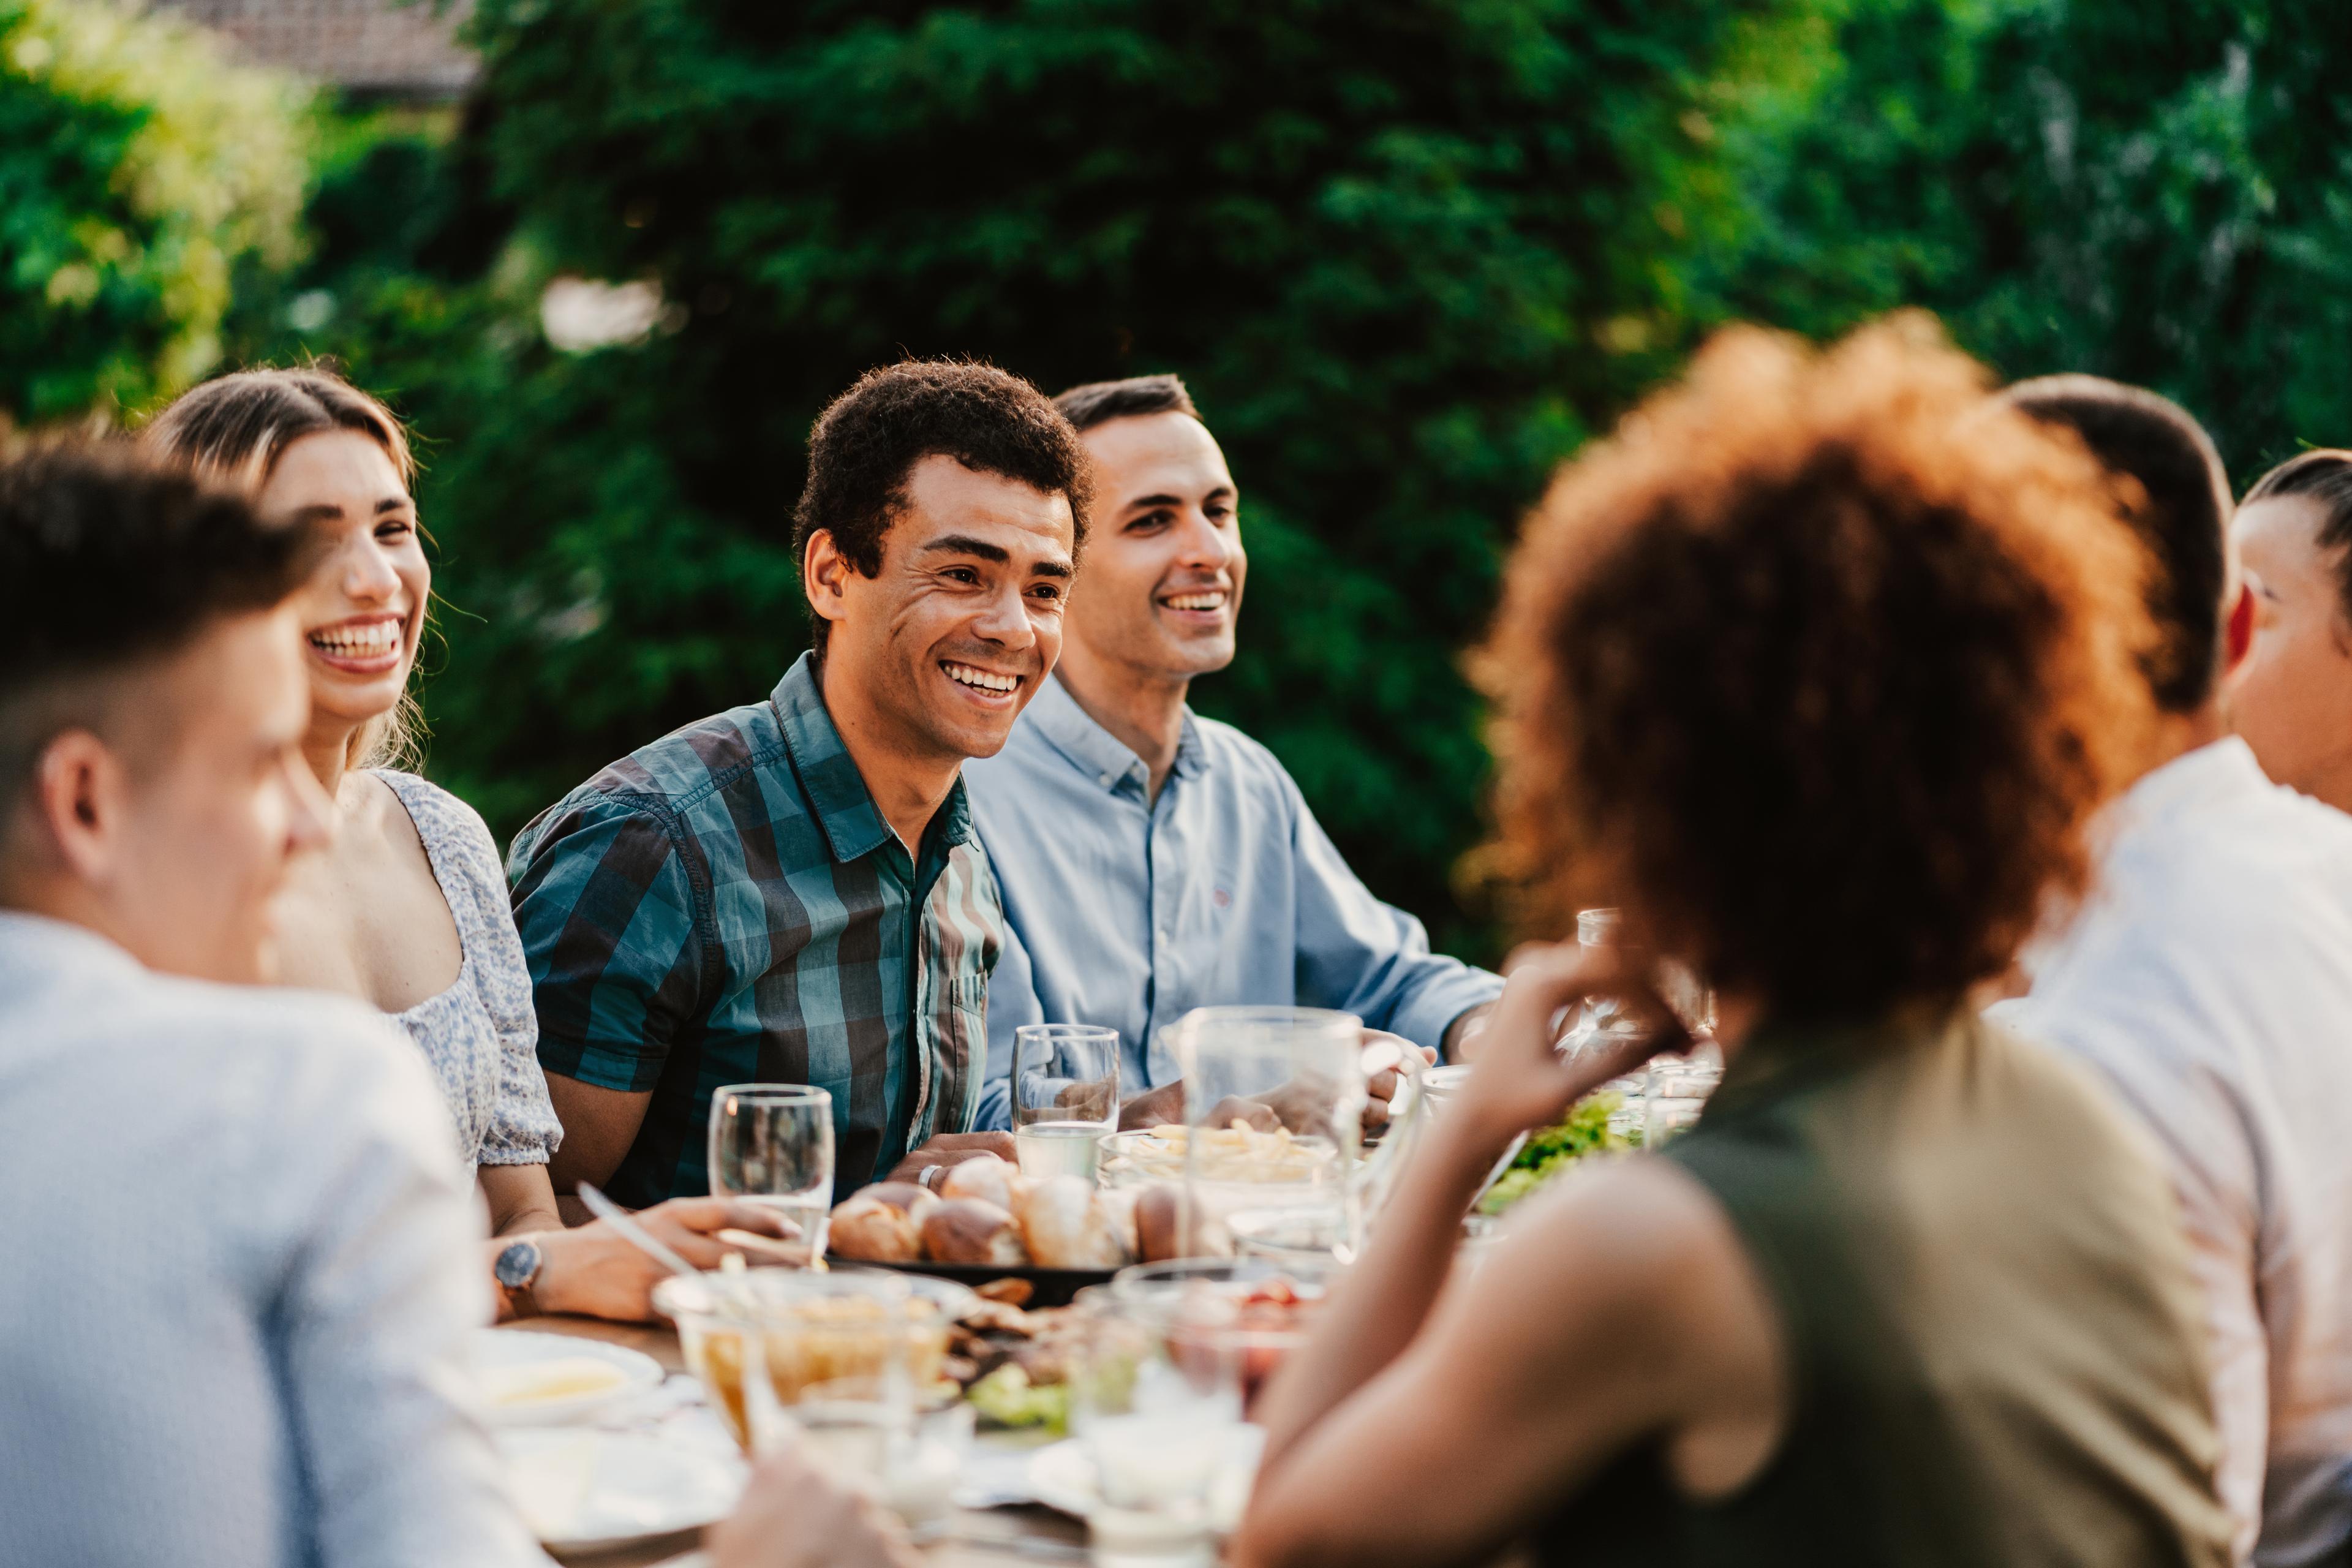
(1065, 1097)
(771, 1145)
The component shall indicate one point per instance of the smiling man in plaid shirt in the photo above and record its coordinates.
(791, 891)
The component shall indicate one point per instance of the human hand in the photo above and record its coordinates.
(1154, 1106)
(1521, 1078)
(1380, 1087)
(598, 1273)
(794, 1515)
(952, 1149)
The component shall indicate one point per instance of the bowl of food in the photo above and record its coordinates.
(810, 1328)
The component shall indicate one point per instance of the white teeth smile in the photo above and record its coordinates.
(981, 677)
(1194, 601)
(372, 641)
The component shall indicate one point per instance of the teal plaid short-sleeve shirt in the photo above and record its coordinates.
(727, 905)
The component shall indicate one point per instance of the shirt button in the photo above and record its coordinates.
(1105, 781)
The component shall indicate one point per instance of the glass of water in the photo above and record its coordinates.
(1065, 1097)
(771, 1145)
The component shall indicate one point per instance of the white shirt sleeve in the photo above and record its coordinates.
(380, 1292)
(2152, 1056)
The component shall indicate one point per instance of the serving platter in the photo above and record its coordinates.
(1050, 1287)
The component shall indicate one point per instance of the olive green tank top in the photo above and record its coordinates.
(1992, 1328)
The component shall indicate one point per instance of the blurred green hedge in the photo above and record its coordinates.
(1407, 253)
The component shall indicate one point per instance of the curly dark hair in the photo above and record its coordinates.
(869, 439)
(109, 559)
(1818, 666)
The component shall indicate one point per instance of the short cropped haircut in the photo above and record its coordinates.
(235, 428)
(1819, 685)
(2181, 514)
(868, 440)
(2325, 475)
(110, 560)
(1099, 402)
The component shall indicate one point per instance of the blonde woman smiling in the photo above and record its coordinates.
(407, 908)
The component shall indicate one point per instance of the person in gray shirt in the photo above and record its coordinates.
(244, 1257)
(1149, 860)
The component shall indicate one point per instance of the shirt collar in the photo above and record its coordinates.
(50, 945)
(2191, 782)
(1095, 751)
(829, 778)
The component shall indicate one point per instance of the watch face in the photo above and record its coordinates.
(517, 1265)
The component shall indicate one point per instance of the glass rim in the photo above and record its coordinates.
(1269, 1013)
(773, 1093)
(1064, 1032)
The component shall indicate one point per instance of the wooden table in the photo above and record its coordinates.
(991, 1539)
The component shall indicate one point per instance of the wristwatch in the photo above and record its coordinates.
(516, 1271)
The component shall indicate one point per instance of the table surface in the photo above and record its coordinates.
(989, 1539)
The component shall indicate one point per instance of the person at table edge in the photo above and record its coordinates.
(791, 891)
(1150, 860)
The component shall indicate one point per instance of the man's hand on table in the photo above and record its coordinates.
(594, 1271)
(950, 1149)
(1288, 1106)
(794, 1515)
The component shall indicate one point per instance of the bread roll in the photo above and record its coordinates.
(1159, 1222)
(1064, 1227)
(871, 1230)
(969, 1230)
(983, 1176)
(1119, 1208)
(916, 1203)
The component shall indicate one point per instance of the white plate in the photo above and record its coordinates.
(502, 1362)
(581, 1489)
(1062, 1476)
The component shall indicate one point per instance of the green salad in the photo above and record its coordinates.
(1549, 1152)
(1007, 1397)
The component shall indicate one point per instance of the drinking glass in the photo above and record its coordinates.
(1274, 1107)
(1160, 1420)
(854, 1426)
(760, 1340)
(771, 1145)
(1676, 1091)
(1065, 1097)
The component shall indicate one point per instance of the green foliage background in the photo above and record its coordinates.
(1407, 253)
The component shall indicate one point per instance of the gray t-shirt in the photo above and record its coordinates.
(238, 1272)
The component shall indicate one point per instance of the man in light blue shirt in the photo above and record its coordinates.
(1152, 861)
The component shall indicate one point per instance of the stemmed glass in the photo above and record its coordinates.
(771, 1145)
(1065, 1097)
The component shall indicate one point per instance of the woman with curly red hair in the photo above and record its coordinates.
(1819, 668)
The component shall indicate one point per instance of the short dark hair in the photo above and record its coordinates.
(1821, 666)
(2323, 475)
(869, 439)
(1099, 402)
(109, 559)
(2182, 515)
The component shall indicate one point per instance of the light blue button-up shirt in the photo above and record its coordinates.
(1129, 913)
